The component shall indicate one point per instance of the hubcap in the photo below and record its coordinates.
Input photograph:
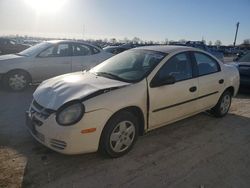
(122, 136)
(225, 104)
(17, 81)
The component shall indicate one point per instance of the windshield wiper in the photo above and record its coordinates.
(110, 75)
(20, 54)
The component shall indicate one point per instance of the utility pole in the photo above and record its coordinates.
(237, 27)
(83, 33)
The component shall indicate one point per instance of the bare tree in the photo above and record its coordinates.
(126, 40)
(210, 43)
(166, 41)
(113, 40)
(182, 41)
(246, 42)
(217, 43)
(136, 40)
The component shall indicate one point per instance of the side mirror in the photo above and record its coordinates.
(156, 82)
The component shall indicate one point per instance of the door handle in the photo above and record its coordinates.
(221, 81)
(193, 89)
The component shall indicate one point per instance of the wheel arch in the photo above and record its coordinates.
(135, 110)
(230, 89)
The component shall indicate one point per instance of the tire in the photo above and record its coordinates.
(223, 105)
(16, 80)
(119, 135)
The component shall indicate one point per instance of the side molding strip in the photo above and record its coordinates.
(166, 107)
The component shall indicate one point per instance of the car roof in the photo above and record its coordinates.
(166, 48)
(114, 47)
(72, 41)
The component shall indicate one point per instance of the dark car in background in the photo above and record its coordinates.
(115, 49)
(243, 64)
(201, 45)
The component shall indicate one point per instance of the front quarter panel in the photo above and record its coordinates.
(24, 63)
(115, 100)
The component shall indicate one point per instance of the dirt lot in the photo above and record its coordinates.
(201, 151)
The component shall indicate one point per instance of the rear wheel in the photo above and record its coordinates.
(119, 135)
(223, 105)
(17, 80)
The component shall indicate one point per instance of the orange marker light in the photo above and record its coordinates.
(90, 130)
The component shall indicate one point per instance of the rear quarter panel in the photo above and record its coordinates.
(232, 77)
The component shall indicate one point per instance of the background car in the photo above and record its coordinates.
(201, 45)
(243, 64)
(46, 60)
(115, 49)
(134, 92)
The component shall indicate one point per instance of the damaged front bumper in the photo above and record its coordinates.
(66, 139)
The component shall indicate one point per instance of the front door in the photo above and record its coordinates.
(53, 61)
(170, 102)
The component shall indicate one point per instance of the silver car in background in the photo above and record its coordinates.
(46, 60)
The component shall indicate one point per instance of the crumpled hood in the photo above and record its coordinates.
(9, 57)
(55, 92)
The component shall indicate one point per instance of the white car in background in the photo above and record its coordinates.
(46, 60)
(129, 94)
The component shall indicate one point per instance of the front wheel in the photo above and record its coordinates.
(17, 80)
(119, 135)
(223, 105)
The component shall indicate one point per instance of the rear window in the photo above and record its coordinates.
(206, 65)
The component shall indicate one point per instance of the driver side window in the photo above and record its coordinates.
(179, 66)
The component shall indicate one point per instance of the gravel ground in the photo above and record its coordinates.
(201, 151)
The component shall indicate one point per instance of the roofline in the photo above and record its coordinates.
(173, 48)
(71, 41)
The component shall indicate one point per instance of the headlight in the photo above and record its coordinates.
(70, 113)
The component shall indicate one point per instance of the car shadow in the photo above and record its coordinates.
(165, 155)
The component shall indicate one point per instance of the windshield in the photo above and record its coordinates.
(33, 50)
(245, 58)
(130, 66)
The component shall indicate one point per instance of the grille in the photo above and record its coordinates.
(37, 106)
(58, 144)
(40, 111)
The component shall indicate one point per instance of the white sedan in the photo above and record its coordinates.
(46, 60)
(128, 95)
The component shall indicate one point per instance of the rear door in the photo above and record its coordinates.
(210, 78)
(171, 102)
(53, 61)
(86, 57)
